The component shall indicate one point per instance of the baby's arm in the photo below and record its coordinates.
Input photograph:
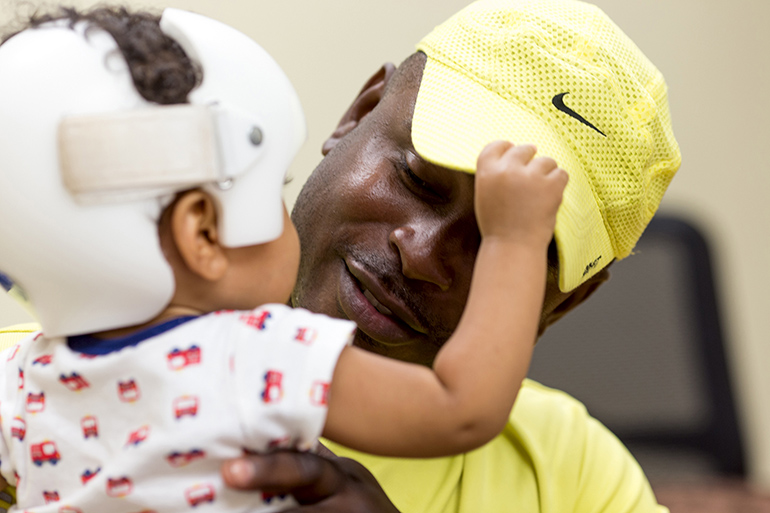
(387, 407)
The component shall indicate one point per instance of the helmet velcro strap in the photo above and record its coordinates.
(139, 153)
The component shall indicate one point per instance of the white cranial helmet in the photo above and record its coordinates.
(87, 165)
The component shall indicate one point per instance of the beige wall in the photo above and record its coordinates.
(714, 56)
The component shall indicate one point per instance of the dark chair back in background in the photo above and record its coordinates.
(646, 356)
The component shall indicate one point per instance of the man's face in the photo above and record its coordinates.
(388, 240)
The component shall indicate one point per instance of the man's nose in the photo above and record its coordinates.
(421, 254)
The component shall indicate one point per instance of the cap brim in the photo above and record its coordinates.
(455, 117)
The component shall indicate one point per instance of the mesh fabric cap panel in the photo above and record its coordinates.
(526, 53)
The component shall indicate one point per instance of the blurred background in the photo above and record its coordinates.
(714, 57)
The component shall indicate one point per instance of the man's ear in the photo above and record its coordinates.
(367, 99)
(574, 299)
(194, 231)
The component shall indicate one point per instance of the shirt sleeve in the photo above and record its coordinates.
(283, 366)
(552, 457)
(8, 338)
(11, 383)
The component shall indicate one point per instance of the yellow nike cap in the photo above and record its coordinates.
(561, 75)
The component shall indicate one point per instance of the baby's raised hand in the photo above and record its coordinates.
(517, 195)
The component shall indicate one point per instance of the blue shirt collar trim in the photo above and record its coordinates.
(90, 345)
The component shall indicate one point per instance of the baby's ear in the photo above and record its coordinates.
(193, 226)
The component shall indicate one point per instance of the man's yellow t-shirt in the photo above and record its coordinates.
(552, 457)
(12, 334)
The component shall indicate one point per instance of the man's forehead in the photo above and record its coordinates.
(404, 90)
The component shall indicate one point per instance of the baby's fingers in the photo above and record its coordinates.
(559, 176)
(521, 154)
(502, 155)
(493, 151)
(543, 165)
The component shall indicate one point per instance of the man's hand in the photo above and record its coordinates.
(318, 483)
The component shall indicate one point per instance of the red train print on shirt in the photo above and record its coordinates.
(199, 494)
(179, 359)
(74, 382)
(138, 436)
(45, 452)
(267, 498)
(180, 459)
(119, 487)
(90, 427)
(319, 393)
(306, 335)
(89, 474)
(257, 319)
(186, 405)
(128, 391)
(273, 391)
(52, 496)
(18, 428)
(44, 360)
(35, 402)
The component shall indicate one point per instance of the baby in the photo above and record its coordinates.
(140, 193)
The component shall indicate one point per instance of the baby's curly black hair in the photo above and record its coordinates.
(161, 71)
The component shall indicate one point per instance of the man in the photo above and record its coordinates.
(558, 74)
(387, 195)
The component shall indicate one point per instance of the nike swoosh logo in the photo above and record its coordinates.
(558, 102)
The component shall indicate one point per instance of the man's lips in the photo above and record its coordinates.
(377, 312)
(379, 306)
